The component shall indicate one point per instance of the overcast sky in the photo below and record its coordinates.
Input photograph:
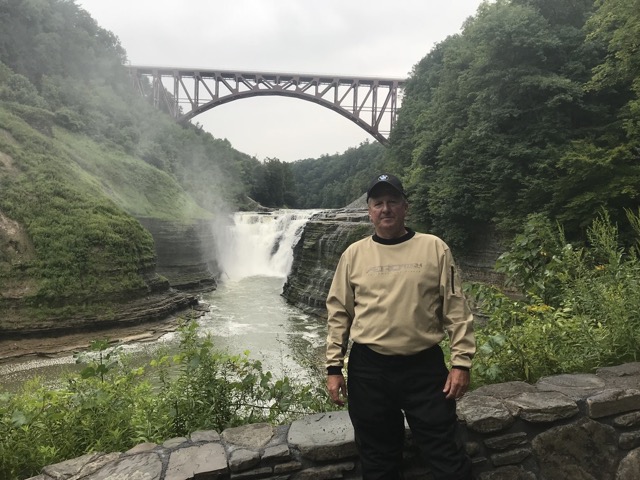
(384, 38)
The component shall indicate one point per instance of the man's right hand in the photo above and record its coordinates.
(336, 385)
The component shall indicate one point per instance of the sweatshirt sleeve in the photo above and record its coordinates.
(340, 313)
(456, 316)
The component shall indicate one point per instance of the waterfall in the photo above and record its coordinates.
(260, 243)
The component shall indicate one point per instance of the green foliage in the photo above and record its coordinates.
(538, 261)
(523, 112)
(81, 154)
(590, 319)
(111, 406)
(273, 184)
(60, 60)
(85, 246)
(17, 88)
(106, 360)
(56, 37)
(616, 23)
(217, 391)
(334, 181)
(43, 425)
(602, 169)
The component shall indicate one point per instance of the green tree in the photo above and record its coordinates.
(334, 181)
(576, 308)
(601, 170)
(489, 113)
(274, 184)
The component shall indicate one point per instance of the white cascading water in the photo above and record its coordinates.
(247, 312)
(260, 244)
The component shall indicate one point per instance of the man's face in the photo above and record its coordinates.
(387, 211)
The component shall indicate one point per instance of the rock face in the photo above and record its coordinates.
(315, 256)
(185, 253)
(512, 431)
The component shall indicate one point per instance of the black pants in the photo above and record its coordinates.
(380, 388)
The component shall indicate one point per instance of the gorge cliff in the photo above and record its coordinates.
(91, 237)
(325, 236)
(181, 266)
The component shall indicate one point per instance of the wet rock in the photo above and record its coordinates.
(584, 450)
(326, 472)
(145, 466)
(508, 473)
(243, 459)
(484, 414)
(629, 468)
(627, 420)
(613, 402)
(506, 441)
(512, 457)
(315, 256)
(205, 436)
(251, 436)
(200, 461)
(84, 465)
(576, 387)
(185, 253)
(504, 390)
(324, 436)
(629, 440)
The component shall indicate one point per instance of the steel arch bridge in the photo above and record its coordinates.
(371, 103)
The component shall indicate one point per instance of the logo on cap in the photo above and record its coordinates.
(383, 178)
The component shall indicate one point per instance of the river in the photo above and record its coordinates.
(246, 313)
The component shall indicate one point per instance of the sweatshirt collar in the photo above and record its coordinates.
(394, 241)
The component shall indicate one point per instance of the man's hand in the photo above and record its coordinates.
(457, 383)
(336, 385)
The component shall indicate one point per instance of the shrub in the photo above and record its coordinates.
(576, 311)
(112, 406)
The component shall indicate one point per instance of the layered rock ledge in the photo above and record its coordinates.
(184, 265)
(563, 427)
(324, 237)
(185, 253)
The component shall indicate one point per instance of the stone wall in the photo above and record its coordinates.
(565, 427)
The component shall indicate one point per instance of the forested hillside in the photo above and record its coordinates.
(534, 107)
(334, 181)
(63, 63)
(82, 158)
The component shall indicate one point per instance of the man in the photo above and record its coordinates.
(396, 294)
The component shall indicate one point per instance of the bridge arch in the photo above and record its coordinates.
(371, 103)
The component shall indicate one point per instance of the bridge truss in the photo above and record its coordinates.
(371, 103)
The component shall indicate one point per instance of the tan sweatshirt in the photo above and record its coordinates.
(398, 299)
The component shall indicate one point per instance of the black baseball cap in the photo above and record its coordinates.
(386, 179)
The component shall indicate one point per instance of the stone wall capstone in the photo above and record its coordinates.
(565, 427)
